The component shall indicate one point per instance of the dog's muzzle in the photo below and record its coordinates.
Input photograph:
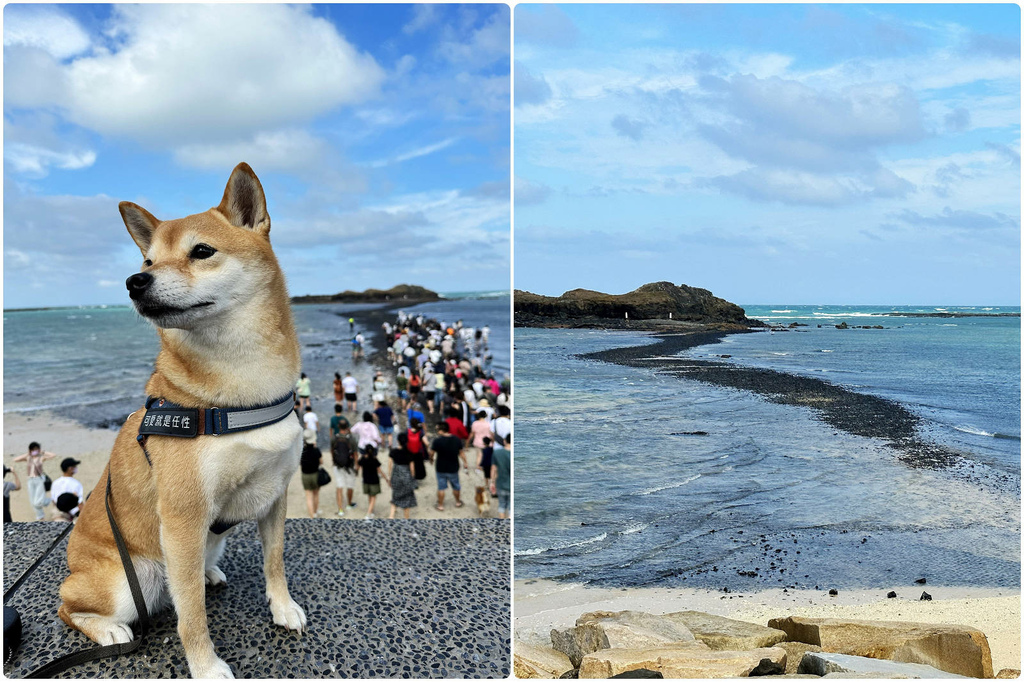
(138, 284)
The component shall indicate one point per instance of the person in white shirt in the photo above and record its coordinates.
(351, 387)
(311, 421)
(68, 484)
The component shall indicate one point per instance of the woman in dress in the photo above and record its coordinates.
(400, 471)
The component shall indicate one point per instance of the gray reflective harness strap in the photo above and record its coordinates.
(164, 418)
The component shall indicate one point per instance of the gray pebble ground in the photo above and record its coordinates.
(384, 599)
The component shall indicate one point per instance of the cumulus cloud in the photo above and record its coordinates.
(46, 28)
(628, 127)
(278, 150)
(36, 162)
(546, 25)
(530, 89)
(193, 73)
(808, 145)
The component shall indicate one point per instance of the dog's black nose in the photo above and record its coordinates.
(138, 283)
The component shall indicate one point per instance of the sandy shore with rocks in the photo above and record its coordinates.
(545, 604)
(67, 438)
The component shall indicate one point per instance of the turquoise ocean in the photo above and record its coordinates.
(608, 493)
(91, 363)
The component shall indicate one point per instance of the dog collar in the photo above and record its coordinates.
(164, 418)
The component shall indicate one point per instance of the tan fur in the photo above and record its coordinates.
(483, 501)
(240, 352)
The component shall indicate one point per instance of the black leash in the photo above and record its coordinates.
(57, 666)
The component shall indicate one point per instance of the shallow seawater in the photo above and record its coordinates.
(606, 494)
(92, 364)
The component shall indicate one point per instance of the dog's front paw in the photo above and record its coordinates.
(288, 614)
(215, 576)
(216, 669)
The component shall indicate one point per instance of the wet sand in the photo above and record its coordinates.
(543, 604)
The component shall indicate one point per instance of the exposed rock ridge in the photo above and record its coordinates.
(663, 302)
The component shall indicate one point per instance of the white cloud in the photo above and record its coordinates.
(293, 150)
(424, 15)
(482, 46)
(46, 28)
(187, 73)
(36, 161)
(416, 153)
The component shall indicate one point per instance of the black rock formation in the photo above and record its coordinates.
(662, 303)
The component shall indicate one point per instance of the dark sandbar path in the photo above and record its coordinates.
(849, 411)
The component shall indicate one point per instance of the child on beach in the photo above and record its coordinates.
(371, 470)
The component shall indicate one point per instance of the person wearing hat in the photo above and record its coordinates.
(67, 483)
(309, 465)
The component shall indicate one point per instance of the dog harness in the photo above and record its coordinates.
(164, 418)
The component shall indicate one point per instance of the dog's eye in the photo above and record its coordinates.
(202, 251)
(147, 262)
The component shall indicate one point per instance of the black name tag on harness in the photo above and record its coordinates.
(179, 421)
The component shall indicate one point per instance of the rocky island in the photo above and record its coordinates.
(404, 293)
(659, 306)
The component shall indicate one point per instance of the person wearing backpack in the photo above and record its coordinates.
(418, 448)
(343, 455)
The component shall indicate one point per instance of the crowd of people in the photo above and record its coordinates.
(441, 405)
(66, 494)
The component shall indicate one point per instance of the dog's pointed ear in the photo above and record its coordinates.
(140, 224)
(244, 204)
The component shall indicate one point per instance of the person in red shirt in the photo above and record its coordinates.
(455, 425)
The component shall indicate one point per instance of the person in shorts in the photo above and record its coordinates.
(309, 464)
(447, 451)
(501, 476)
(386, 420)
(369, 467)
(344, 455)
(351, 387)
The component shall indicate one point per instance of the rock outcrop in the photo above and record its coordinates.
(684, 660)
(600, 630)
(956, 649)
(661, 302)
(404, 293)
(532, 661)
(822, 663)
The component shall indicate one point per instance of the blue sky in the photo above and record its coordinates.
(770, 153)
(381, 134)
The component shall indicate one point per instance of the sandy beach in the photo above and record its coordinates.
(67, 438)
(543, 604)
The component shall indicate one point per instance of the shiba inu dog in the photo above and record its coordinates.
(211, 285)
(483, 501)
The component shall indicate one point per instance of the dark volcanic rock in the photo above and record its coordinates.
(405, 293)
(661, 301)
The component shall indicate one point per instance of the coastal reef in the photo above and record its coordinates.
(692, 644)
(405, 293)
(655, 306)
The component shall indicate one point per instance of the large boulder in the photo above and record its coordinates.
(822, 663)
(616, 630)
(956, 649)
(531, 661)
(684, 660)
(726, 634)
(794, 652)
